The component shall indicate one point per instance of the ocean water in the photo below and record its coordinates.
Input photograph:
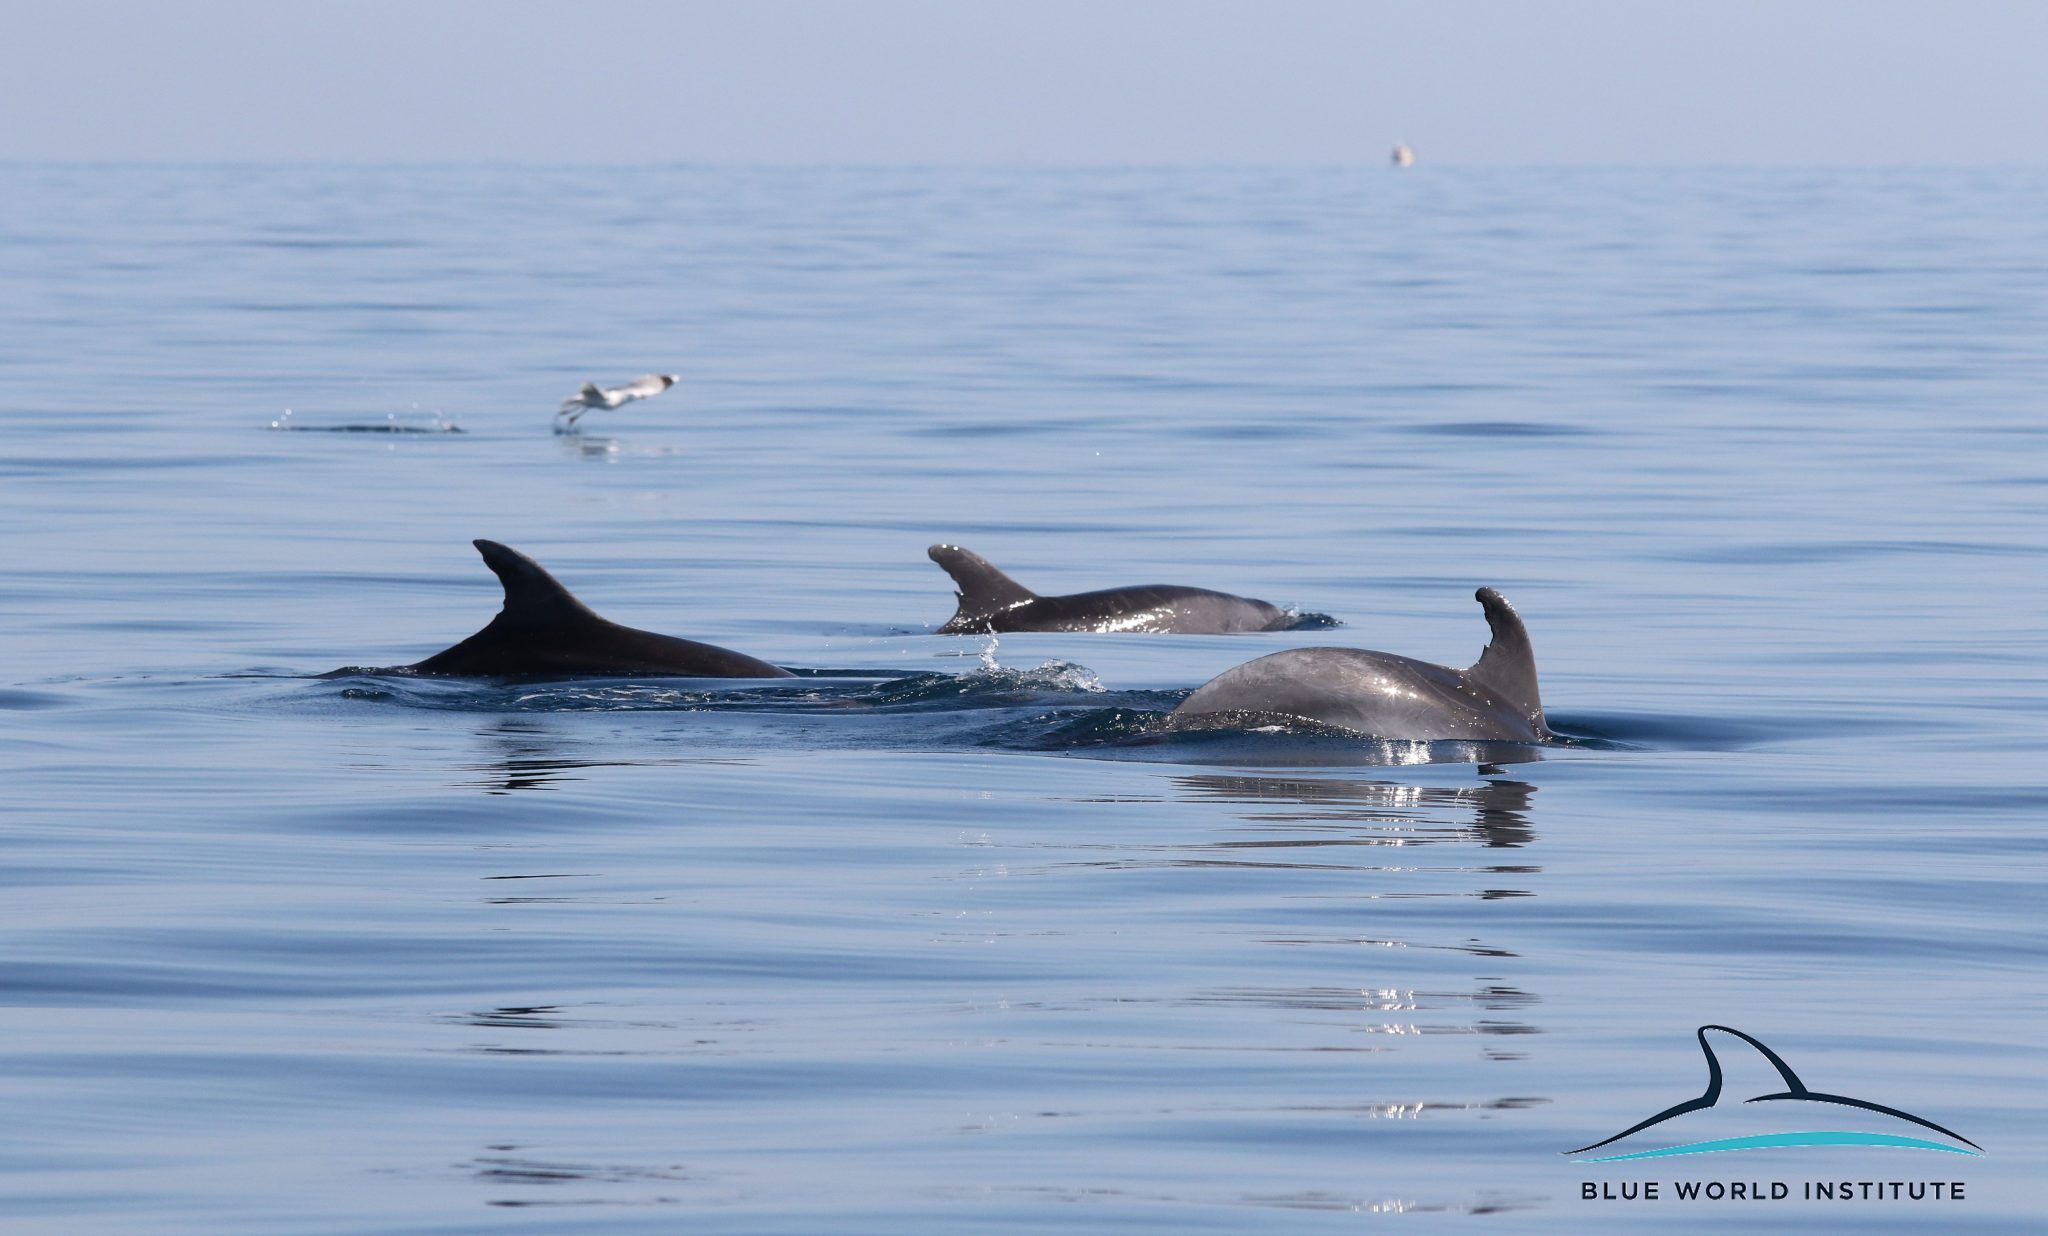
(951, 937)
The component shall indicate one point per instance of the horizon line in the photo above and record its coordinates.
(1378, 164)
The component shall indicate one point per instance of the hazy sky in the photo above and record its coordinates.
(1031, 81)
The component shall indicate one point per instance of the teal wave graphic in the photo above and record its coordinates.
(1780, 1141)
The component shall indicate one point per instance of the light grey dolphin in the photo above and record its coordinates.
(992, 601)
(1389, 696)
(545, 630)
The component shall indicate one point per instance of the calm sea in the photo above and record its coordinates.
(953, 939)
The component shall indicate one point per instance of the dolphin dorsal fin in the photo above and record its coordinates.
(984, 590)
(532, 596)
(1508, 666)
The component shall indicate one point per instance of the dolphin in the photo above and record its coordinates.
(1389, 696)
(545, 630)
(992, 601)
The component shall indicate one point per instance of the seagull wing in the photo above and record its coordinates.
(641, 388)
(589, 397)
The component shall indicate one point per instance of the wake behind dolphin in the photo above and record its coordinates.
(544, 630)
(992, 601)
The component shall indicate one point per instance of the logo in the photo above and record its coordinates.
(1794, 1091)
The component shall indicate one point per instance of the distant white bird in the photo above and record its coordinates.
(1402, 156)
(594, 396)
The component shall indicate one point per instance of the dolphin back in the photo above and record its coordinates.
(984, 590)
(544, 629)
(1389, 696)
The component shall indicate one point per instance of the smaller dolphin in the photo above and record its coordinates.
(992, 601)
(545, 630)
(1389, 696)
(594, 396)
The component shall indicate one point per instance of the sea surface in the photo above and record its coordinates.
(952, 936)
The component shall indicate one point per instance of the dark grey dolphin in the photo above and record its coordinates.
(545, 630)
(992, 601)
(1388, 696)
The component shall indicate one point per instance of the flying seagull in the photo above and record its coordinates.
(594, 396)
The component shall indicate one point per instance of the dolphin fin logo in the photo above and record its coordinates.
(1794, 1089)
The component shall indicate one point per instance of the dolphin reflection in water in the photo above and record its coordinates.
(1400, 814)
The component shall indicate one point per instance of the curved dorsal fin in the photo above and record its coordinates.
(1508, 666)
(984, 590)
(532, 596)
